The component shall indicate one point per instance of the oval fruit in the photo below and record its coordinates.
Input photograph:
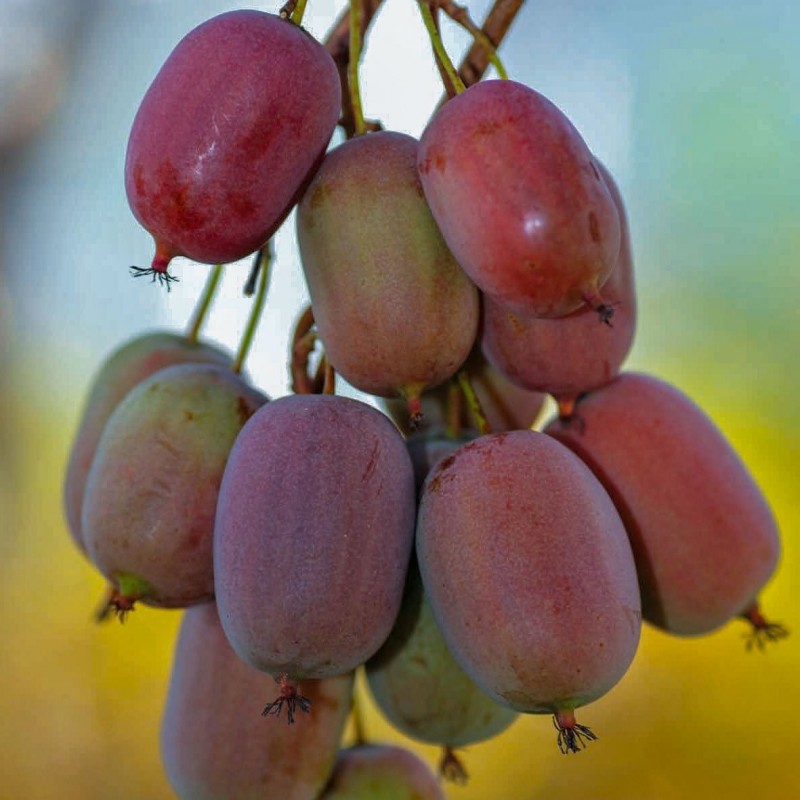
(388, 772)
(215, 743)
(529, 573)
(314, 531)
(421, 688)
(151, 493)
(227, 135)
(519, 199)
(395, 311)
(572, 354)
(704, 537)
(126, 367)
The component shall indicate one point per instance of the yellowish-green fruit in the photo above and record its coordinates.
(151, 493)
(381, 772)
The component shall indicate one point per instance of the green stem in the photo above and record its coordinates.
(438, 47)
(481, 423)
(359, 125)
(460, 15)
(255, 312)
(201, 312)
(359, 732)
(299, 10)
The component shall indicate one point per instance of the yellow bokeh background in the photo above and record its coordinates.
(711, 178)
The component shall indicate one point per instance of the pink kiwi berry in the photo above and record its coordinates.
(226, 136)
(530, 575)
(703, 534)
(215, 743)
(314, 531)
(388, 772)
(151, 493)
(126, 367)
(394, 309)
(520, 200)
(571, 354)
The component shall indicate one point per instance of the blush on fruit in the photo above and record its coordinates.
(227, 135)
(151, 492)
(704, 537)
(572, 354)
(394, 310)
(216, 745)
(520, 200)
(314, 531)
(529, 574)
(126, 367)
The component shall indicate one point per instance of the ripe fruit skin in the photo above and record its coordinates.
(227, 134)
(314, 531)
(151, 493)
(420, 687)
(395, 311)
(519, 199)
(529, 572)
(571, 354)
(127, 366)
(216, 745)
(704, 537)
(388, 772)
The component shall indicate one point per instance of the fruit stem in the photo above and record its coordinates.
(304, 339)
(454, 410)
(438, 47)
(357, 714)
(328, 376)
(460, 15)
(201, 311)
(359, 126)
(255, 311)
(293, 10)
(481, 423)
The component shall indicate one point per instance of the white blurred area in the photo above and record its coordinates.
(73, 75)
(683, 102)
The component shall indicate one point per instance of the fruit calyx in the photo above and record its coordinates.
(452, 768)
(605, 311)
(288, 696)
(572, 737)
(762, 631)
(122, 596)
(158, 269)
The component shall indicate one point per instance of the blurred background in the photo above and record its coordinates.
(694, 107)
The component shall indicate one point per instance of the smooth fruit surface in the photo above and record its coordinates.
(388, 772)
(395, 311)
(227, 134)
(529, 572)
(704, 537)
(314, 532)
(215, 743)
(574, 353)
(422, 689)
(519, 199)
(151, 494)
(126, 367)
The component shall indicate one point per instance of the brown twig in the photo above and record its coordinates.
(495, 27)
(304, 341)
